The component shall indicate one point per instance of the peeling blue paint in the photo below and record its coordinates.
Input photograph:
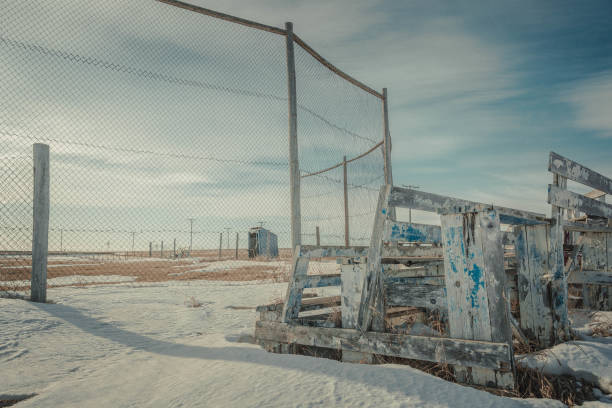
(476, 275)
(384, 211)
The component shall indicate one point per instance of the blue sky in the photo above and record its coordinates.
(479, 93)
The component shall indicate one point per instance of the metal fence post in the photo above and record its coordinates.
(40, 234)
(294, 165)
(220, 244)
(161, 251)
(318, 235)
(150, 249)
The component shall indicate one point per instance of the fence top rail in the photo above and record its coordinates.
(223, 16)
(577, 172)
(275, 30)
(335, 166)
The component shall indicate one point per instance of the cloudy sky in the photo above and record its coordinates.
(479, 91)
(156, 114)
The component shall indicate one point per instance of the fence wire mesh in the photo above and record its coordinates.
(168, 138)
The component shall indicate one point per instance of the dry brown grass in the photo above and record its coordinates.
(144, 270)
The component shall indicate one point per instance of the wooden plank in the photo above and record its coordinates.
(580, 227)
(352, 283)
(426, 296)
(223, 16)
(320, 281)
(558, 284)
(40, 233)
(294, 162)
(570, 200)
(577, 172)
(533, 264)
(293, 297)
(372, 286)
(609, 251)
(590, 277)
(411, 252)
(436, 349)
(308, 305)
(596, 194)
(387, 149)
(421, 200)
(594, 251)
(415, 280)
(311, 251)
(474, 275)
(411, 232)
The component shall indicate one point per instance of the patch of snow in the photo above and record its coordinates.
(122, 345)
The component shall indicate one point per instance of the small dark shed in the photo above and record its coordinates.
(262, 243)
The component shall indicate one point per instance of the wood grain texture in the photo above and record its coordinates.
(474, 274)
(431, 297)
(421, 200)
(40, 233)
(577, 172)
(372, 288)
(436, 349)
(566, 199)
(295, 288)
(412, 232)
(534, 277)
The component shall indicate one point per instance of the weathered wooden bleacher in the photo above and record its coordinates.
(467, 270)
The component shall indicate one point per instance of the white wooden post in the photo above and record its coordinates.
(559, 280)
(294, 164)
(475, 279)
(387, 148)
(237, 245)
(40, 234)
(346, 210)
(532, 246)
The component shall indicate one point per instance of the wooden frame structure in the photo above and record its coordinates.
(470, 271)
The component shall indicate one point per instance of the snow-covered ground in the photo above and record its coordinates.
(116, 346)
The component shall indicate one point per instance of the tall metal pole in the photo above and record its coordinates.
(346, 213)
(190, 234)
(294, 165)
(387, 147)
(227, 230)
(133, 237)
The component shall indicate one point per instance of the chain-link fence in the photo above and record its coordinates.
(169, 152)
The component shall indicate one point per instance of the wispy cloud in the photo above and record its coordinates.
(591, 99)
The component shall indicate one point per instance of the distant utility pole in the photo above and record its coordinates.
(190, 233)
(133, 237)
(410, 209)
(227, 230)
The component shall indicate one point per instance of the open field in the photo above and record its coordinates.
(111, 268)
